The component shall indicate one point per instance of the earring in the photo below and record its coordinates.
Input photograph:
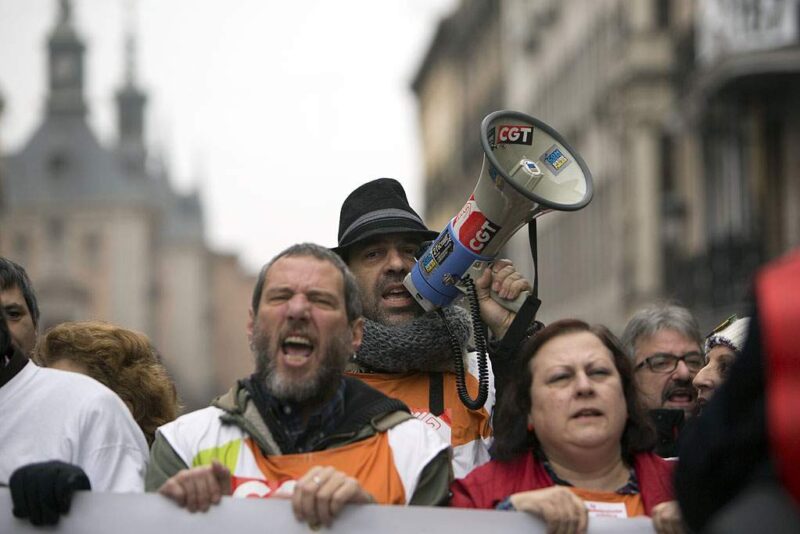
(530, 427)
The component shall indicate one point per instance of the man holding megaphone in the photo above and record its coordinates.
(415, 344)
(406, 352)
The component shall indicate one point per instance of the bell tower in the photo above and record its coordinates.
(130, 109)
(65, 66)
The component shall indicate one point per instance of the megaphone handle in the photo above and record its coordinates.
(511, 305)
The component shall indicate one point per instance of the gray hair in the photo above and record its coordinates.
(655, 317)
(352, 299)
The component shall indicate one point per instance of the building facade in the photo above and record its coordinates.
(104, 235)
(2, 105)
(685, 112)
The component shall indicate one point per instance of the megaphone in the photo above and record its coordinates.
(528, 170)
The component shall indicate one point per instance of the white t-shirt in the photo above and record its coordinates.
(47, 414)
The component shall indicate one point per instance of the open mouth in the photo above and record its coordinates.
(296, 349)
(681, 396)
(397, 294)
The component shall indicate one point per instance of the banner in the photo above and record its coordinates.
(129, 513)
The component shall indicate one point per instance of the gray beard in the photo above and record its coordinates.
(421, 345)
(317, 388)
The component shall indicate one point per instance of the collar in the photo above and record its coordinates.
(630, 488)
(294, 434)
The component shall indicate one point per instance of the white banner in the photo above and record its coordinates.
(103, 513)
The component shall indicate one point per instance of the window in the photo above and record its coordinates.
(57, 164)
(662, 13)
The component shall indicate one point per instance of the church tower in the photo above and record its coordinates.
(65, 67)
(103, 238)
(130, 110)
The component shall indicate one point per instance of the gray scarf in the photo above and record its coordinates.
(422, 344)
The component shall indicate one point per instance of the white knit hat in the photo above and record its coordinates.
(731, 333)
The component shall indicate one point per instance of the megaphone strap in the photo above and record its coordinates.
(533, 242)
(436, 394)
(523, 325)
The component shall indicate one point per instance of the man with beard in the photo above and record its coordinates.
(270, 435)
(406, 353)
(664, 342)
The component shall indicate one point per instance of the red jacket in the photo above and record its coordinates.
(491, 483)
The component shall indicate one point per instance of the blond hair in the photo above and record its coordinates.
(123, 360)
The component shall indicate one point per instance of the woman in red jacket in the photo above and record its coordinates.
(570, 439)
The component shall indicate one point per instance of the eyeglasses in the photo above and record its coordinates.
(664, 362)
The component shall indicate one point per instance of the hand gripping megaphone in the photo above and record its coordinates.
(528, 170)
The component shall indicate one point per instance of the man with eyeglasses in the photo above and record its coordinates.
(664, 343)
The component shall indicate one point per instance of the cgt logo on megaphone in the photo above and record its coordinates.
(472, 228)
(511, 134)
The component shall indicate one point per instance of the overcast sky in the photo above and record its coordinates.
(274, 109)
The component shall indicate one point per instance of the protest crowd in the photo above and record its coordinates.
(349, 371)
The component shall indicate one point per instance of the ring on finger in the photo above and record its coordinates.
(316, 480)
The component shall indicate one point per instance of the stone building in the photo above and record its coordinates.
(2, 105)
(685, 112)
(105, 236)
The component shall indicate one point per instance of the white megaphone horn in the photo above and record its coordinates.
(528, 170)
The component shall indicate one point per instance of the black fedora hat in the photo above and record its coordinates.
(375, 208)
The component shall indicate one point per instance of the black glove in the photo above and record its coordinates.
(43, 491)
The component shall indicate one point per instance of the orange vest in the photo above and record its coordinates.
(469, 432)
(387, 464)
(369, 461)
